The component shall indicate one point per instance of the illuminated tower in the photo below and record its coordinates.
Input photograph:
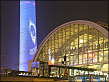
(28, 33)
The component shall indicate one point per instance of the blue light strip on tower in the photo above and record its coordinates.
(28, 33)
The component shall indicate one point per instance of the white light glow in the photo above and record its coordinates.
(81, 41)
(88, 51)
(102, 54)
(96, 44)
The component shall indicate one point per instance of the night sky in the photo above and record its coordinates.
(50, 14)
(10, 27)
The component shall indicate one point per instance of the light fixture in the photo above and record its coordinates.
(88, 51)
(96, 44)
(102, 54)
(81, 41)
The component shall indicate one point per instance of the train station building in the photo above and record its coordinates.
(78, 47)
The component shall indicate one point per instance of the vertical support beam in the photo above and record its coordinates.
(54, 52)
(58, 43)
(39, 68)
(74, 44)
(85, 79)
(98, 46)
(92, 79)
(108, 52)
(42, 55)
(59, 72)
(78, 43)
(89, 78)
(70, 48)
(83, 43)
(68, 73)
(92, 44)
(92, 53)
(103, 48)
(82, 79)
(65, 46)
(43, 69)
(87, 43)
(51, 49)
(48, 49)
(73, 72)
(49, 70)
(62, 40)
(98, 79)
(105, 79)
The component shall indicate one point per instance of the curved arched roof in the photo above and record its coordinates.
(96, 26)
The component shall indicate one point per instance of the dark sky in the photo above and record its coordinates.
(10, 27)
(50, 14)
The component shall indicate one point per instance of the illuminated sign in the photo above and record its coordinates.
(50, 57)
(28, 32)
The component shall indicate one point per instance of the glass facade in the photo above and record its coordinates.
(83, 45)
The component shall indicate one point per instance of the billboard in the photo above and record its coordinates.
(28, 33)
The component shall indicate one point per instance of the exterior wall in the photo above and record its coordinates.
(29, 64)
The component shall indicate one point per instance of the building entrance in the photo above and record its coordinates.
(68, 72)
